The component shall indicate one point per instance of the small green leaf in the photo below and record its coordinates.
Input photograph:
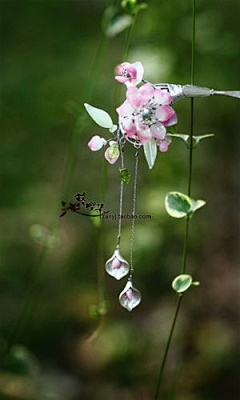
(177, 204)
(199, 138)
(113, 128)
(101, 117)
(196, 204)
(42, 235)
(94, 311)
(185, 137)
(133, 6)
(150, 152)
(97, 311)
(124, 175)
(115, 22)
(181, 136)
(129, 5)
(195, 283)
(182, 283)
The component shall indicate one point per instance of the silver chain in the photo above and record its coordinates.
(133, 213)
(121, 149)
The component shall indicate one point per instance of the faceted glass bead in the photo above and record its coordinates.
(117, 266)
(130, 297)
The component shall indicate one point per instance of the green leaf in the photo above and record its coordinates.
(94, 311)
(113, 128)
(101, 117)
(182, 283)
(150, 152)
(115, 22)
(181, 136)
(185, 137)
(42, 235)
(177, 204)
(199, 138)
(100, 310)
(124, 175)
(196, 204)
(133, 6)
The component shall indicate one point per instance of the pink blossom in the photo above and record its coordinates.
(130, 74)
(164, 144)
(146, 113)
(96, 143)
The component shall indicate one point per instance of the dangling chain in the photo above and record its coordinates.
(133, 213)
(121, 142)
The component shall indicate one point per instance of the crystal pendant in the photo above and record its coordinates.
(130, 297)
(117, 266)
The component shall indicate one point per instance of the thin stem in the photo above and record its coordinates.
(167, 347)
(129, 37)
(127, 43)
(185, 245)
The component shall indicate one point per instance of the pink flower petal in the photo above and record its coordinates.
(144, 135)
(125, 109)
(146, 92)
(133, 96)
(158, 130)
(121, 79)
(172, 121)
(162, 97)
(140, 71)
(128, 126)
(164, 113)
(121, 67)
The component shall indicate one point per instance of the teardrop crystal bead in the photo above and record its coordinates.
(117, 266)
(130, 297)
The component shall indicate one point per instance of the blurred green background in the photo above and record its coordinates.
(51, 346)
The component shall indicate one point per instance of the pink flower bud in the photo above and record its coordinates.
(112, 153)
(96, 143)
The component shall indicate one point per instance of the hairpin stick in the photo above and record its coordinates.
(181, 91)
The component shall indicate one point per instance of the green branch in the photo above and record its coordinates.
(185, 245)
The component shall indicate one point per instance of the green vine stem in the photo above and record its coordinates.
(185, 244)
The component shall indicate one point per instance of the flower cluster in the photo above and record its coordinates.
(144, 115)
